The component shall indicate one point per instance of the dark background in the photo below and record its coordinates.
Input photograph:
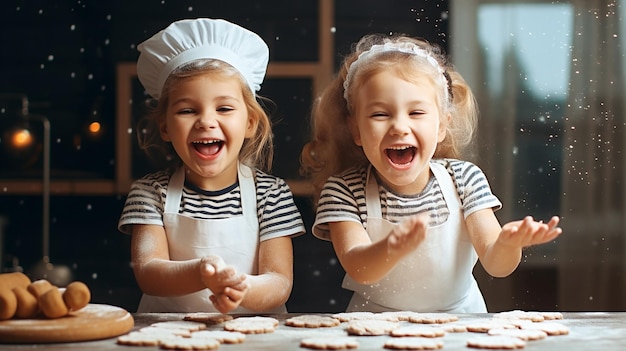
(63, 56)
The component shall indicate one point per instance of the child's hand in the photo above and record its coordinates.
(407, 235)
(228, 286)
(217, 275)
(528, 232)
(230, 298)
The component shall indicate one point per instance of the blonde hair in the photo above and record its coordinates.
(256, 151)
(332, 150)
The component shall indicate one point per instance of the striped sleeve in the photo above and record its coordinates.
(342, 199)
(277, 211)
(144, 203)
(473, 187)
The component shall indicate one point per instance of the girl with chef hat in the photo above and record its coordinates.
(213, 231)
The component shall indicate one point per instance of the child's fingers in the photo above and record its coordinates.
(221, 303)
(230, 277)
(242, 286)
(209, 265)
(234, 295)
(228, 300)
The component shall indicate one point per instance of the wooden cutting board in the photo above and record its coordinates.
(93, 322)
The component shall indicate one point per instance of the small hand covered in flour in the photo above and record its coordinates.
(228, 286)
(528, 232)
(230, 298)
(407, 235)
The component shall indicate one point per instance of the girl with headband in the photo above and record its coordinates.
(213, 231)
(408, 219)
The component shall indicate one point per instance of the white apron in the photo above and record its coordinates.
(234, 239)
(437, 276)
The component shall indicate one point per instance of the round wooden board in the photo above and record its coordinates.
(93, 322)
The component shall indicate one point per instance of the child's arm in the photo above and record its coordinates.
(500, 248)
(272, 286)
(368, 262)
(157, 275)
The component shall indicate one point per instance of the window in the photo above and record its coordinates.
(549, 78)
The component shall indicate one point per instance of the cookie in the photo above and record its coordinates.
(551, 315)
(413, 343)
(190, 344)
(524, 334)
(363, 327)
(401, 316)
(188, 325)
(550, 328)
(496, 342)
(252, 325)
(223, 336)
(519, 314)
(433, 318)
(312, 321)
(209, 318)
(165, 331)
(485, 326)
(348, 316)
(418, 330)
(454, 327)
(330, 343)
(143, 339)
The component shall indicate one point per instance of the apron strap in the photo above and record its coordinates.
(247, 188)
(372, 195)
(174, 191)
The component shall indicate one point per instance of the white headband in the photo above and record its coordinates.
(405, 47)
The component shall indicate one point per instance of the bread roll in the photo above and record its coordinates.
(8, 304)
(11, 280)
(39, 287)
(76, 295)
(27, 306)
(51, 304)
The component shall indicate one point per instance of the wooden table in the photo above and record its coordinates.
(593, 330)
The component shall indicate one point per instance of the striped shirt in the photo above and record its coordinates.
(343, 197)
(276, 209)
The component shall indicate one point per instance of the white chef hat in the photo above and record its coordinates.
(191, 39)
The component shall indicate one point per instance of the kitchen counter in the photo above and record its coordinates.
(588, 330)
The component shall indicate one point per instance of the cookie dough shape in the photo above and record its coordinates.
(550, 328)
(433, 318)
(252, 325)
(418, 330)
(496, 342)
(209, 318)
(312, 321)
(143, 339)
(190, 344)
(413, 343)
(188, 325)
(223, 336)
(524, 334)
(330, 343)
(363, 327)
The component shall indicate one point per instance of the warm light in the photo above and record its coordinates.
(21, 139)
(94, 127)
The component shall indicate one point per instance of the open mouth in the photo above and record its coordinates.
(208, 147)
(402, 155)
